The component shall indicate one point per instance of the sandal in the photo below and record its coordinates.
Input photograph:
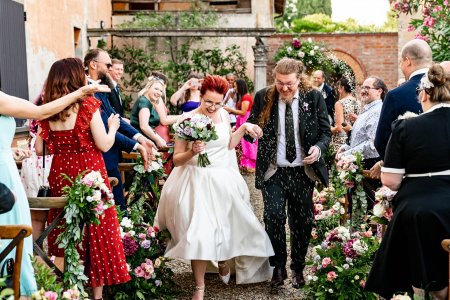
(225, 278)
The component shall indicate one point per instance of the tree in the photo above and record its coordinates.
(296, 9)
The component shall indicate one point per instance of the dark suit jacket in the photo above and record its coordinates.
(329, 100)
(124, 135)
(314, 130)
(114, 100)
(396, 103)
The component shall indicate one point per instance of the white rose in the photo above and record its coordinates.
(201, 125)
(311, 52)
(316, 47)
(289, 49)
(378, 210)
(300, 54)
(97, 196)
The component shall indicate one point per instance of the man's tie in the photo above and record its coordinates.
(291, 154)
(118, 93)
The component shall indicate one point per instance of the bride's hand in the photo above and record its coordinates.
(253, 130)
(198, 147)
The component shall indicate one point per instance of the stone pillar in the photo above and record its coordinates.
(260, 53)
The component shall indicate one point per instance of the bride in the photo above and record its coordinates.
(207, 209)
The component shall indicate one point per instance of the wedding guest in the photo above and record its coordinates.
(326, 90)
(416, 58)
(346, 105)
(10, 108)
(76, 137)
(207, 219)
(230, 97)
(149, 110)
(417, 165)
(293, 116)
(242, 112)
(116, 73)
(188, 96)
(362, 138)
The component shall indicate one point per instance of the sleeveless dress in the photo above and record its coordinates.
(249, 150)
(74, 151)
(189, 105)
(349, 105)
(20, 214)
(209, 215)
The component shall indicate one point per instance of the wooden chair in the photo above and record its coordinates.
(446, 245)
(17, 233)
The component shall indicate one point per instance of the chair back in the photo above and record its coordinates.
(17, 233)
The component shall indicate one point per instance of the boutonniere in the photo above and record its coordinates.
(305, 106)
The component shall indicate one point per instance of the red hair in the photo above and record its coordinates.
(65, 76)
(214, 83)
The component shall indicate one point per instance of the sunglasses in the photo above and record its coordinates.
(108, 65)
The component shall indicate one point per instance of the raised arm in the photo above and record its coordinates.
(20, 108)
(164, 119)
(104, 140)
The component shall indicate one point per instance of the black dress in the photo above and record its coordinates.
(411, 253)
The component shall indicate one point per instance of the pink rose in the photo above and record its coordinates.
(331, 276)
(139, 272)
(51, 295)
(142, 236)
(362, 283)
(326, 261)
(88, 181)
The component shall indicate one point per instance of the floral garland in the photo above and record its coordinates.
(314, 56)
(341, 262)
(351, 176)
(87, 199)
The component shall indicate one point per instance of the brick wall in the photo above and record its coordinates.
(367, 53)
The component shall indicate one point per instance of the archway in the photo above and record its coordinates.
(353, 63)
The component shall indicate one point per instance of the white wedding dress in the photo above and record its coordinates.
(209, 215)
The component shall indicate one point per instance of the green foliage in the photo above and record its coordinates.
(5, 293)
(432, 26)
(296, 9)
(45, 277)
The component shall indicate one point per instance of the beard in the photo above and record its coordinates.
(106, 79)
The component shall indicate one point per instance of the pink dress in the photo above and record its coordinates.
(249, 150)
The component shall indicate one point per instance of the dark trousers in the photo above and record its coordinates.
(291, 187)
(119, 199)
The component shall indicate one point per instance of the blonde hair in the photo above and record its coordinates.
(154, 78)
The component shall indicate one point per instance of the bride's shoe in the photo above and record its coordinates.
(199, 292)
(225, 278)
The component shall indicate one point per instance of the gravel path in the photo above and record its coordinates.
(215, 289)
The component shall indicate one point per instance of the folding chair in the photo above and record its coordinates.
(17, 233)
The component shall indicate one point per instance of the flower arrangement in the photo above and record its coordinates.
(342, 262)
(350, 174)
(197, 128)
(431, 26)
(87, 199)
(382, 210)
(70, 294)
(314, 56)
(144, 245)
(327, 213)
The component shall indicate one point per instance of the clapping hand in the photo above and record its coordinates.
(114, 121)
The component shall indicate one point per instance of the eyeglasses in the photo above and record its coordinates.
(108, 65)
(365, 87)
(209, 103)
(289, 85)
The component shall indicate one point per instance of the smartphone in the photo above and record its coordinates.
(170, 144)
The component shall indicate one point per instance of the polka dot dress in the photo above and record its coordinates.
(75, 151)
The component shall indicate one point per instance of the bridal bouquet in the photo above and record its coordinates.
(197, 128)
(382, 210)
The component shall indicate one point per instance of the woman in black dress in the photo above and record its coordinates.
(417, 164)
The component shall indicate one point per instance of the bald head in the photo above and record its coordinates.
(446, 65)
(419, 52)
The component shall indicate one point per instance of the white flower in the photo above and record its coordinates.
(356, 277)
(132, 232)
(97, 196)
(309, 277)
(316, 47)
(379, 210)
(330, 291)
(315, 278)
(348, 259)
(346, 266)
(312, 52)
(336, 206)
(126, 223)
(310, 40)
(200, 125)
(289, 49)
(300, 54)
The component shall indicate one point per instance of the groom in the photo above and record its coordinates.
(296, 129)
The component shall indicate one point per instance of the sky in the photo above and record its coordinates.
(364, 11)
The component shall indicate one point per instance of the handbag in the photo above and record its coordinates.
(44, 190)
(8, 266)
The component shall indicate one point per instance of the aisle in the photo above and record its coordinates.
(215, 289)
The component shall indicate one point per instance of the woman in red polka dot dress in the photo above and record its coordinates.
(76, 137)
